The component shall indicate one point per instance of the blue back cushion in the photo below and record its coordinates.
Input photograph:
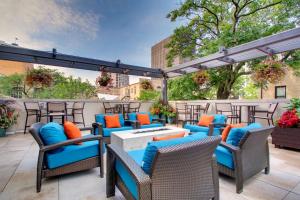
(52, 133)
(219, 119)
(236, 134)
(100, 119)
(132, 116)
(153, 147)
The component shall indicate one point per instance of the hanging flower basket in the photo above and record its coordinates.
(201, 78)
(39, 78)
(146, 85)
(104, 80)
(269, 71)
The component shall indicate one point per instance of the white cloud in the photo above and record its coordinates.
(29, 20)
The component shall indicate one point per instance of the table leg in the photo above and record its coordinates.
(63, 119)
(51, 118)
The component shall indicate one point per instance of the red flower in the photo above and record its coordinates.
(288, 119)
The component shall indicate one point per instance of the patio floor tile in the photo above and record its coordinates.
(18, 154)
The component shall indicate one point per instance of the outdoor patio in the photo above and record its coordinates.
(18, 154)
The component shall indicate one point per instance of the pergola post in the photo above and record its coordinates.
(165, 90)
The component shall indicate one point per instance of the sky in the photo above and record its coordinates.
(103, 29)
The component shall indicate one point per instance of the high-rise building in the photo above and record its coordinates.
(159, 55)
(120, 80)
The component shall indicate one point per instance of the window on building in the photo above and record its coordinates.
(280, 92)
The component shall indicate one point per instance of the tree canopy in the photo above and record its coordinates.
(211, 24)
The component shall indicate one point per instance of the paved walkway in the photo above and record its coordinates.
(18, 154)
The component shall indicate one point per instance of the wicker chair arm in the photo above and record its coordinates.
(230, 147)
(86, 129)
(134, 169)
(99, 126)
(159, 120)
(213, 125)
(133, 123)
(69, 142)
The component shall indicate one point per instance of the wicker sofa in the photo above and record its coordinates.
(248, 158)
(169, 178)
(91, 142)
(105, 132)
(154, 121)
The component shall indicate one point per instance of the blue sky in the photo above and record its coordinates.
(103, 29)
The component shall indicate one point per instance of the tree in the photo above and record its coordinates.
(215, 23)
(60, 87)
(185, 88)
(149, 95)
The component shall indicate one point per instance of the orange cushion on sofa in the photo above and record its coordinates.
(72, 131)
(143, 119)
(228, 128)
(168, 137)
(206, 120)
(112, 121)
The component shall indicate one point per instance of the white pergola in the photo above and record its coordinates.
(274, 44)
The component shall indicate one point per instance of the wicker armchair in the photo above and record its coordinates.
(250, 157)
(42, 169)
(169, 177)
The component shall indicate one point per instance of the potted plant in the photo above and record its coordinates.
(287, 131)
(170, 114)
(157, 108)
(8, 117)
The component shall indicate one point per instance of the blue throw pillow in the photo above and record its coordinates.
(100, 119)
(236, 134)
(153, 147)
(219, 119)
(52, 133)
(132, 116)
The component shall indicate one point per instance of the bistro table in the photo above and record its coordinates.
(250, 110)
(123, 106)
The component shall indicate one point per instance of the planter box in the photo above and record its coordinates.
(286, 137)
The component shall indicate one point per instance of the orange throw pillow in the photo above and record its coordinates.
(112, 121)
(206, 120)
(143, 119)
(168, 137)
(72, 131)
(227, 129)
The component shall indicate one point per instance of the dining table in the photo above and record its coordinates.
(250, 107)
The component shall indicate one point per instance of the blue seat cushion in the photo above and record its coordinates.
(153, 147)
(152, 125)
(132, 116)
(219, 119)
(107, 131)
(196, 128)
(53, 133)
(224, 157)
(236, 134)
(137, 156)
(72, 153)
(100, 118)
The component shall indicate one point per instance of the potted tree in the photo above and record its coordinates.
(287, 131)
(8, 117)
